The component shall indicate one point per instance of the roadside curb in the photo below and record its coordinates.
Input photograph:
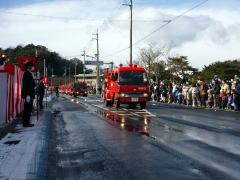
(195, 108)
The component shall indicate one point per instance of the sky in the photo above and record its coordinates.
(206, 34)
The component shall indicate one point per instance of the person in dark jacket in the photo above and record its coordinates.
(28, 93)
(40, 91)
(216, 91)
(57, 91)
(237, 92)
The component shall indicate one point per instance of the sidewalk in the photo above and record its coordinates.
(8, 128)
(23, 151)
(154, 103)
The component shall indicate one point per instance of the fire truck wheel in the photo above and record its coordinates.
(143, 105)
(133, 105)
(117, 103)
(111, 103)
(108, 103)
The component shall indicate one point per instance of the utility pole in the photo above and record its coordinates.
(37, 76)
(44, 67)
(98, 69)
(131, 28)
(46, 71)
(69, 73)
(36, 52)
(75, 71)
(84, 59)
(52, 77)
(65, 73)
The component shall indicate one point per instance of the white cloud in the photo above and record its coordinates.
(204, 35)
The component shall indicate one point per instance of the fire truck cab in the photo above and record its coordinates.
(126, 85)
(79, 89)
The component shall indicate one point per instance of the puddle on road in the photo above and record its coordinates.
(136, 120)
(127, 121)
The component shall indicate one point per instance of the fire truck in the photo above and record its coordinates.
(126, 85)
(74, 89)
(79, 89)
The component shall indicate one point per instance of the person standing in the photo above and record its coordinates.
(216, 91)
(237, 93)
(203, 92)
(57, 91)
(186, 94)
(40, 91)
(195, 95)
(28, 93)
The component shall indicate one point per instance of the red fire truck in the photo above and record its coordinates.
(127, 85)
(74, 89)
(80, 88)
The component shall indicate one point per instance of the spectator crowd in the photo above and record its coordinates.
(221, 94)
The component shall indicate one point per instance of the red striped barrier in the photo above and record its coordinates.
(10, 93)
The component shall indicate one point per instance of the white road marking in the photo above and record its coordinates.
(121, 111)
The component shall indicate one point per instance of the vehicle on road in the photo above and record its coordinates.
(126, 85)
(79, 89)
(75, 89)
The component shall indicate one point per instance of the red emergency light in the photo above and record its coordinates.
(45, 80)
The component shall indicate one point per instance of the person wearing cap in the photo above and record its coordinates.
(28, 93)
(3, 59)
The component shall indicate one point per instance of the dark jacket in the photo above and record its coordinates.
(216, 87)
(40, 89)
(28, 85)
(237, 89)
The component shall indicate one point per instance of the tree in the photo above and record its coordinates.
(152, 57)
(179, 67)
(160, 71)
(54, 62)
(225, 70)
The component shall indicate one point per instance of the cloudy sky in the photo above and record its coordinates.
(206, 34)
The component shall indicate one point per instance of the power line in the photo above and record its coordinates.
(80, 19)
(162, 26)
(170, 21)
(50, 17)
(71, 18)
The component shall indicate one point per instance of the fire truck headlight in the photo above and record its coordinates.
(145, 94)
(122, 95)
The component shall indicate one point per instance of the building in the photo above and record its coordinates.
(90, 79)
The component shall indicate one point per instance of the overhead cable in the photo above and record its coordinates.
(162, 26)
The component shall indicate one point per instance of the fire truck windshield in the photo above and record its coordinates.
(80, 86)
(133, 78)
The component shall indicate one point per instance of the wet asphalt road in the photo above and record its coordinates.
(89, 141)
